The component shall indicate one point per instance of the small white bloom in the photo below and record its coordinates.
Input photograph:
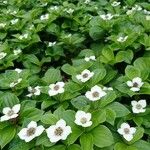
(69, 11)
(18, 70)
(115, 3)
(54, 8)
(2, 55)
(5, 2)
(56, 88)
(10, 113)
(34, 91)
(13, 84)
(107, 88)
(137, 7)
(127, 131)
(122, 39)
(24, 36)
(51, 44)
(95, 94)
(107, 16)
(44, 17)
(2, 25)
(135, 84)
(32, 131)
(83, 119)
(90, 58)
(85, 75)
(13, 12)
(17, 51)
(14, 21)
(59, 131)
(146, 12)
(148, 17)
(129, 12)
(87, 1)
(138, 106)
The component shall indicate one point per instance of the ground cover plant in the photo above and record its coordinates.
(74, 75)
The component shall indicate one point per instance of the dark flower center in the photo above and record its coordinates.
(56, 87)
(10, 113)
(126, 131)
(95, 94)
(135, 84)
(83, 120)
(85, 75)
(138, 106)
(58, 131)
(31, 131)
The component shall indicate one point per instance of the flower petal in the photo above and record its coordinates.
(32, 124)
(16, 108)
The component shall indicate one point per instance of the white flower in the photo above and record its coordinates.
(135, 84)
(17, 51)
(13, 12)
(13, 84)
(14, 21)
(24, 36)
(127, 131)
(90, 58)
(34, 91)
(5, 2)
(122, 39)
(95, 94)
(107, 16)
(148, 17)
(138, 106)
(18, 70)
(59, 131)
(115, 3)
(32, 131)
(54, 8)
(83, 119)
(146, 12)
(56, 88)
(137, 7)
(44, 17)
(50, 44)
(129, 12)
(85, 75)
(87, 1)
(2, 25)
(2, 55)
(69, 11)
(10, 113)
(107, 88)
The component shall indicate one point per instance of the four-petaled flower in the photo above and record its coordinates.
(2, 55)
(115, 3)
(83, 119)
(56, 88)
(10, 113)
(135, 84)
(95, 94)
(90, 58)
(50, 44)
(122, 39)
(24, 36)
(127, 131)
(18, 70)
(85, 75)
(138, 106)
(14, 21)
(57, 132)
(13, 84)
(107, 16)
(44, 17)
(17, 51)
(34, 91)
(32, 131)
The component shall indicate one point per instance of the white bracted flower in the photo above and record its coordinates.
(107, 16)
(127, 131)
(54, 8)
(13, 84)
(146, 12)
(115, 3)
(138, 106)
(18, 70)
(56, 88)
(57, 132)
(85, 75)
(2, 55)
(90, 58)
(44, 17)
(87, 1)
(10, 113)
(51, 44)
(69, 11)
(122, 39)
(24, 36)
(32, 131)
(2, 25)
(107, 88)
(95, 94)
(135, 84)
(83, 119)
(34, 91)
(14, 21)
(17, 51)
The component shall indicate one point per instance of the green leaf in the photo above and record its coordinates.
(142, 145)
(86, 141)
(74, 147)
(52, 75)
(68, 69)
(122, 146)
(7, 134)
(110, 116)
(102, 136)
